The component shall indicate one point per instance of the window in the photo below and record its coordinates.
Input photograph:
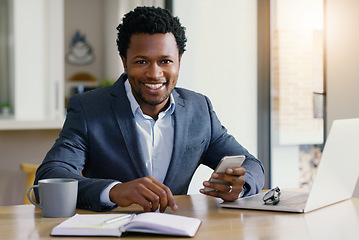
(297, 92)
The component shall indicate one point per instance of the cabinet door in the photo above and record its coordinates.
(38, 59)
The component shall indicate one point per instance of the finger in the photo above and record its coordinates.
(144, 192)
(231, 179)
(169, 200)
(226, 196)
(226, 191)
(221, 187)
(237, 171)
(165, 195)
(209, 193)
(141, 200)
(154, 194)
(158, 197)
(162, 191)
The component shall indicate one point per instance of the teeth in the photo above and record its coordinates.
(154, 86)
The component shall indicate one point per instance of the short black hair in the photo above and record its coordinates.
(149, 20)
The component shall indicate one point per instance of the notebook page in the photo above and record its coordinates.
(162, 223)
(91, 225)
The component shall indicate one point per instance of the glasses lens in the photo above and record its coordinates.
(269, 195)
(272, 196)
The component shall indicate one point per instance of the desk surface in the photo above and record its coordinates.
(339, 221)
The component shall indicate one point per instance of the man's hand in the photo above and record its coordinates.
(228, 192)
(147, 192)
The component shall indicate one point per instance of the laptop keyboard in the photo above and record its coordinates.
(296, 201)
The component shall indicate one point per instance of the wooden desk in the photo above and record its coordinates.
(339, 221)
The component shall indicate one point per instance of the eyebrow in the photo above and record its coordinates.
(139, 56)
(146, 57)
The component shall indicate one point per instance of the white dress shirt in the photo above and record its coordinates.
(155, 137)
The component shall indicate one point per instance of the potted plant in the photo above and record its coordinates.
(5, 109)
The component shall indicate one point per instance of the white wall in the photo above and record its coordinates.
(112, 62)
(342, 58)
(221, 62)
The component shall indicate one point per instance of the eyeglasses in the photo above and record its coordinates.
(272, 196)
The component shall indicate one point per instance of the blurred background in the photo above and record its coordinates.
(278, 72)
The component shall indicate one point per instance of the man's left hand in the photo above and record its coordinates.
(230, 191)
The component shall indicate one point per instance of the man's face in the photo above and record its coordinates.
(152, 66)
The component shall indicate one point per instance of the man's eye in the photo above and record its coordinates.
(166, 61)
(141, 62)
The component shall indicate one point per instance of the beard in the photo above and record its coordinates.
(154, 102)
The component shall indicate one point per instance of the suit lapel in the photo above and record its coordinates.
(122, 110)
(180, 136)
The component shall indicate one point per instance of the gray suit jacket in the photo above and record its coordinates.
(98, 144)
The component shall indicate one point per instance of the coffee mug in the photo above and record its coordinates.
(58, 197)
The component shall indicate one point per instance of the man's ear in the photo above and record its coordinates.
(124, 64)
(179, 59)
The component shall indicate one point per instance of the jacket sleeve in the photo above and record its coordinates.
(67, 158)
(223, 144)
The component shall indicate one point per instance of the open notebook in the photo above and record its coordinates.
(117, 224)
(335, 180)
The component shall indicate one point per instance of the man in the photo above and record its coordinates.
(141, 140)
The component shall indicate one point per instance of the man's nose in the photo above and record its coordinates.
(154, 71)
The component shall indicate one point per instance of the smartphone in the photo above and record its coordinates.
(226, 162)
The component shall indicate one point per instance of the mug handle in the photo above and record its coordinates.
(28, 195)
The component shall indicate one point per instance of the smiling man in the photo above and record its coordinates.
(141, 140)
(152, 64)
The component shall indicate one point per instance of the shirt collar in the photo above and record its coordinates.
(136, 107)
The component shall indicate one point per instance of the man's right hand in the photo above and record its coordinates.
(147, 192)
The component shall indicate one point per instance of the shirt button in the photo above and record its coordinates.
(147, 164)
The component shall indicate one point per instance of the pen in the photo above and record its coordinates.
(112, 220)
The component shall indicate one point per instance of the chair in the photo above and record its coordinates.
(30, 169)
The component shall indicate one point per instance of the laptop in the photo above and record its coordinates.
(335, 180)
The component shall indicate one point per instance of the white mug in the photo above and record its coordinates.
(58, 197)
